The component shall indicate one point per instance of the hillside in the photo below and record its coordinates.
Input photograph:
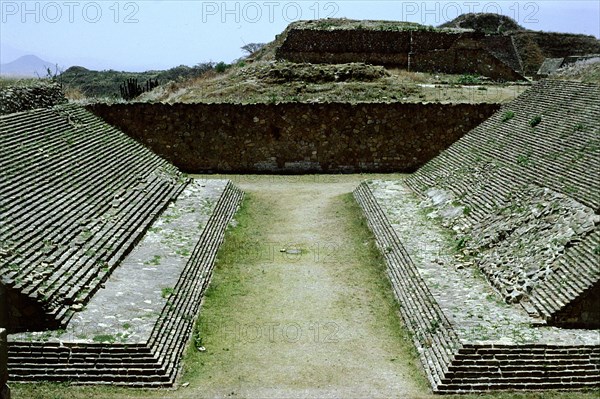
(82, 82)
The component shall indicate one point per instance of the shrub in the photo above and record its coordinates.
(221, 67)
(535, 121)
(468, 79)
(508, 115)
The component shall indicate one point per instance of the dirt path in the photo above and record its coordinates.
(315, 321)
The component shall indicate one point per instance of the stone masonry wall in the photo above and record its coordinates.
(342, 46)
(426, 51)
(4, 391)
(40, 94)
(534, 47)
(296, 138)
(521, 190)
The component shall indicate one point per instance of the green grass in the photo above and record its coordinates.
(8, 81)
(231, 280)
(226, 282)
(375, 273)
(468, 79)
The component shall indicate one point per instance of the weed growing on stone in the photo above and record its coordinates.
(508, 115)
(460, 243)
(536, 120)
(167, 292)
(524, 159)
(104, 338)
(155, 261)
(183, 252)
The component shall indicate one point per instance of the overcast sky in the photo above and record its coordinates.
(159, 34)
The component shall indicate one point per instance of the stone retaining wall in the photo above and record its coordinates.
(4, 391)
(432, 333)
(31, 96)
(294, 137)
(526, 184)
(461, 52)
(68, 215)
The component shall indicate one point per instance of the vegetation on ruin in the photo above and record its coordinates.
(350, 24)
(488, 23)
(507, 115)
(79, 82)
(586, 71)
(284, 82)
(238, 275)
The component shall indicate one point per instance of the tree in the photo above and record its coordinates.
(251, 48)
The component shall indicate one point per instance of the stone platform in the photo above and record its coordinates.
(135, 329)
(469, 339)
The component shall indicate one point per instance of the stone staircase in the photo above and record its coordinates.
(495, 168)
(77, 196)
(152, 364)
(454, 364)
(69, 183)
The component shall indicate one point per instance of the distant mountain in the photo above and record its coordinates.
(9, 53)
(27, 66)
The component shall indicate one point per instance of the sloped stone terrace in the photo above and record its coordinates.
(523, 193)
(76, 196)
(469, 339)
(519, 191)
(136, 328)
(127, 305)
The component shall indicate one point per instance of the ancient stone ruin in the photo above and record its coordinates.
(292, 137)
(410, 46)
(491, 245)
(452, 48)
(81, 203)
(521, 193)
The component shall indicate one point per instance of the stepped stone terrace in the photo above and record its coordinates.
(493, 246)
(105, 250)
